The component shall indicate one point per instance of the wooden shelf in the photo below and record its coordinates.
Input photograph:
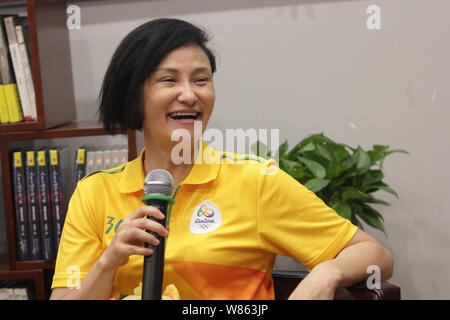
(32, 265)
(37, 275)
(69, 130)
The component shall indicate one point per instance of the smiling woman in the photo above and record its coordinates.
(228, 221)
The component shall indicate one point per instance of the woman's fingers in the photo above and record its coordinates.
(146, 211)
(138, 236)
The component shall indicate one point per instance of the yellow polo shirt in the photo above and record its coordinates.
(227, 224)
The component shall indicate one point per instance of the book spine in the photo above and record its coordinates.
(107, 159)
(80, 166)
(26, 70)
(5, 71)
(13, 102)
(98, 161)
(4, 112)
(115, 158)
(48, 252)
(18, 173)
(123, 155)
(58, 215)
(33, 208)
(90, 162)
(18, 69)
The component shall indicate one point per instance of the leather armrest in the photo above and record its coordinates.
(286, 281)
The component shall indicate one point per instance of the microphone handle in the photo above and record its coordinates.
(154, 264)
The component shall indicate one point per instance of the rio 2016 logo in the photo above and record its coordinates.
(205, 211)
(205, 218)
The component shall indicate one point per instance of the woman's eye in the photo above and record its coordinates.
(201, 80)
(168, 80)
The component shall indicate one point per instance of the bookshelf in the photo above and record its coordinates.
(50, 64)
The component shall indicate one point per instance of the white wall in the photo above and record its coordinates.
(310, 66)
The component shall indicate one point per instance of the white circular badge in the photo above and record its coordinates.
(205, 218)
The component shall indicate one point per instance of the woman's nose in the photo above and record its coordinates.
(187, 95)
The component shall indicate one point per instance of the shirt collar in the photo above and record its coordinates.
(205, 169)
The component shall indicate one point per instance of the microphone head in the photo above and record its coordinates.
(158, 181)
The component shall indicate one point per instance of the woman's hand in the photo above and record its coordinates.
(320, 284)
(131, 236)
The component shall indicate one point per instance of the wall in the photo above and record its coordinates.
(310, 66)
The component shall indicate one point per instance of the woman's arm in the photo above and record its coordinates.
(347, 268)
(97, 285)
(128, 240)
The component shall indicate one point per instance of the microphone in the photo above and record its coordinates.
(158, 191)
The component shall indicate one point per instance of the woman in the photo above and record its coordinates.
(228, 222)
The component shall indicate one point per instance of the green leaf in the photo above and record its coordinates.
(340, 153)
(391, 191)
(349, 162)
(362, 161)
(380, 148)
(352, 193)
(334, 170)
(372, 220)
(371, 177)
(294, 169)
(281, 152)
(259, 149)
(316, 168)
(343, 209)
(316, 138)
(324, 152)
(316, 184)
(374, 200)
(309, 147)
(397, 150)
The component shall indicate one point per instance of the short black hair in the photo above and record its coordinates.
(135, 59)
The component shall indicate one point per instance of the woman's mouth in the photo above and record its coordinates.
(185, 117)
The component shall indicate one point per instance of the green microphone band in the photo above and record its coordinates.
(157, 197)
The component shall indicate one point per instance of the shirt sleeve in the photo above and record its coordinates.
(81, 243)
(293, 221)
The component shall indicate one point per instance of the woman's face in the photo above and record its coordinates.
(179, 92)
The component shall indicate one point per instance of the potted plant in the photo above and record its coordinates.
(345, 178)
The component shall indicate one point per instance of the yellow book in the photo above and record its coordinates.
(13, 101)
(4, 112)
(53, 157)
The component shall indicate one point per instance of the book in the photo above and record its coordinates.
(98, 160)
(32, 206)
(90, 162)
(20, 210)
(28, 112)
(115, 158)
(56, 195)
(123, 155)
(107, 159)
(4, 112)
(80, 166)
(48, 252)
(26, 68)
(4, 294)
(20, 293)
(13, 102)
(8, 86)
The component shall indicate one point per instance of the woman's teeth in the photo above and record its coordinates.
(184, 115)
